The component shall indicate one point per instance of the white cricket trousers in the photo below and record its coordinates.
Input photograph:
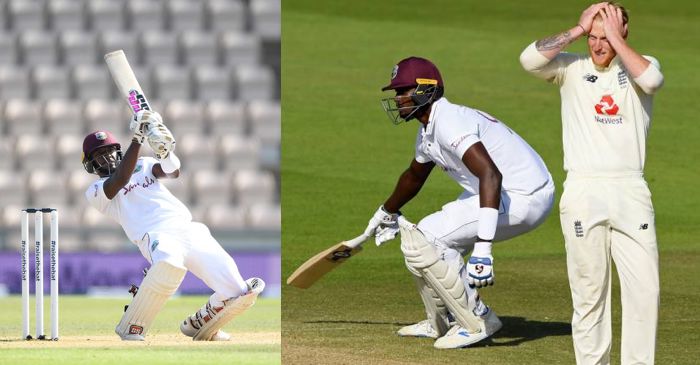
(606, 217)
(457, 224)
(193, 247)
(453, 230)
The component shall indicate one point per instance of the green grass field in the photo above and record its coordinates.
(87, 335)
(341, 157)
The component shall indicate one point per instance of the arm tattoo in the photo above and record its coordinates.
(558, 42)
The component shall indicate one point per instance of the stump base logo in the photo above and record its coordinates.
(607, 106)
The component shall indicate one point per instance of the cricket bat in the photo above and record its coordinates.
(126, 81)
(314, 268)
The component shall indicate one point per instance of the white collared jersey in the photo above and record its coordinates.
(143, 205)
(605, 115)
(454, 128)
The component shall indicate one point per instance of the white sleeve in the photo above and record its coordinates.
(95, 195)
(651, 79)
(537, 64)
(457, 136)
(420, 156)
(147, 164)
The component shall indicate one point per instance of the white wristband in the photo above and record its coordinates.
(170, 163)
(488, 220)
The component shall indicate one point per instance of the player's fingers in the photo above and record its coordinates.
(612, 12)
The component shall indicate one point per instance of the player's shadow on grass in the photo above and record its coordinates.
(515, 331)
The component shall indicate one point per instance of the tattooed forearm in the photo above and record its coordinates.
(555, 42)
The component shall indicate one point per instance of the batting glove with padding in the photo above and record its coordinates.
(480, 271)
(383, 225)
(160, 139)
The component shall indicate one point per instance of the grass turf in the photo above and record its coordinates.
(87, 335)
(341, 158)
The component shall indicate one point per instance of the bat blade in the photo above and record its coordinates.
(128, 85)
(316, 267)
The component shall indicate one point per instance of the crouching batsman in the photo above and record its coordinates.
(128, 190)
(507, 191)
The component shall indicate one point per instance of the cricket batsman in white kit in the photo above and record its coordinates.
(507, 191)
(606, 210)
(128, 190)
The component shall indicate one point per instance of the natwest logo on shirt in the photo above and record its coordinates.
(607, 106)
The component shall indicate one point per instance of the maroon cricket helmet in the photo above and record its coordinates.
(96, 140)
(413, 71)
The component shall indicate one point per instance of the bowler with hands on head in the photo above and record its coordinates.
(606, 210)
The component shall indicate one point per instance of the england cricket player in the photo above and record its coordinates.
(128, 190)
(606, 210)
(507, 191)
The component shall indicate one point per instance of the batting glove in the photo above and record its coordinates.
(141, 122)
(480, 271)
(383, 225)
(160, 139)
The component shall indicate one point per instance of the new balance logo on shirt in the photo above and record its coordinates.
(590, 78)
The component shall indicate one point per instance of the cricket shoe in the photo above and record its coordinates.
(458, 337)
(420, 329)
(190, 331)
(187, 327)
(206, 323)
(133, 337)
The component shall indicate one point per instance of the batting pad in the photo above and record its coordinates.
(422, 257)
(232, 308)
(159, 284)
(434, 307)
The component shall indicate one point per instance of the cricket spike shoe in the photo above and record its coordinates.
(193, 323)
(205, 324)
(458, 337)
(420, 329)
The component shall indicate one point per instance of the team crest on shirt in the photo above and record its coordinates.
(607, 111)
(622, 78)
(138, 168)
(578, 229)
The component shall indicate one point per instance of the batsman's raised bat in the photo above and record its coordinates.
(314, 268)
(126, 81)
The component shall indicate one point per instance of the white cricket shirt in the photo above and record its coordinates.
(143, 205)
(605, 114)
(454, 128)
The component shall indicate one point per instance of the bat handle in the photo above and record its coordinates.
(357, 241)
